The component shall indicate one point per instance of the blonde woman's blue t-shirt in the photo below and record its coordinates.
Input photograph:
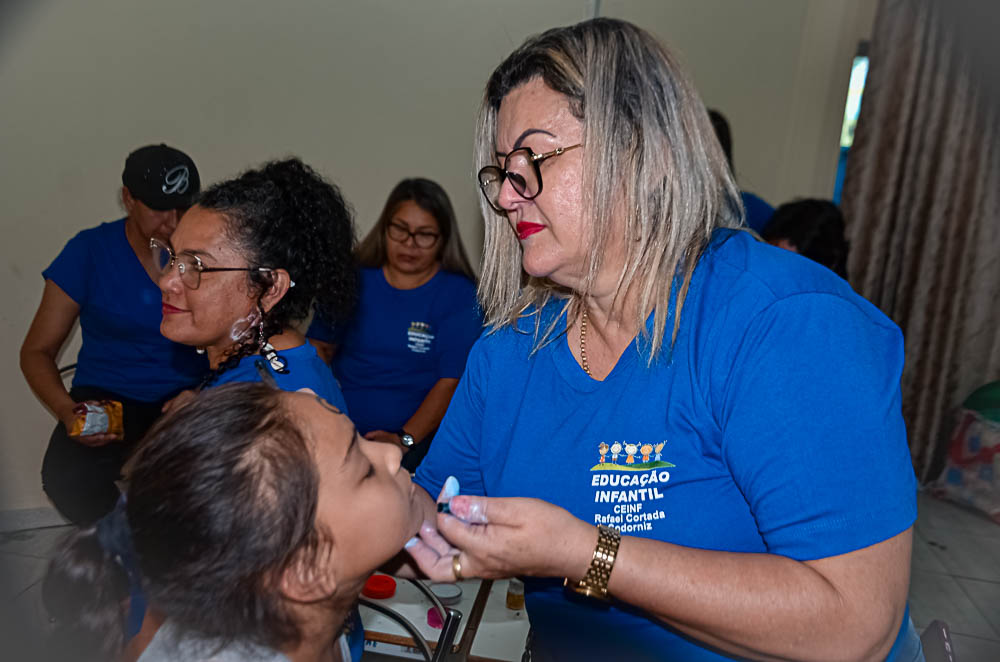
(772, 426)
(121, 309)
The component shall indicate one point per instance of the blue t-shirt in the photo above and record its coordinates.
(120, 313)
(400, 343)
(774, 425)
(305, 370)
(759, 212)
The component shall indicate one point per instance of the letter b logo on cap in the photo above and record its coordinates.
(176, 180)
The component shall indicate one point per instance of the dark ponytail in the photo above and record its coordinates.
(84, 592)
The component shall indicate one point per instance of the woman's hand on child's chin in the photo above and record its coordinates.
(503, 537)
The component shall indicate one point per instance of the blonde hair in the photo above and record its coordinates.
(429, 196)
(652, 168)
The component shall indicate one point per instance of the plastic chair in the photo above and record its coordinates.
(450, 617)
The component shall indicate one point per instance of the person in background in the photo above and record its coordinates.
(105, 278)
(252, 519)
(812, 228)
(625, 304)
(758, 211)
(247, 263)
(399, 360)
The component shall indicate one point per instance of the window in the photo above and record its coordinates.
(859, 73)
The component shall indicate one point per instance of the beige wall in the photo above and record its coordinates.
(778, 70)
(367, 92)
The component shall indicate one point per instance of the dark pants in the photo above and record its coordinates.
(80, 479)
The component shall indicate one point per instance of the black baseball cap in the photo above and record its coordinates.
(161, 177)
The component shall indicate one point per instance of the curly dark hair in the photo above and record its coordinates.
(284, 215)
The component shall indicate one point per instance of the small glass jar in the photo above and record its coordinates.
(515, 594)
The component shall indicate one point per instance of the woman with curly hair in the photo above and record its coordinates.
(247, 263)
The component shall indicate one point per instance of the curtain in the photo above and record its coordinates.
(922, 203)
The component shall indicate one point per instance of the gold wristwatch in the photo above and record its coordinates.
(595, 583)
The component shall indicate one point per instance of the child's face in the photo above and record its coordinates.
(367, 502)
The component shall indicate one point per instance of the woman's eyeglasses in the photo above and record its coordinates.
(421, 238)
(189, 266)
(521, 168)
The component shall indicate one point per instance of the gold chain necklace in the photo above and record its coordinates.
(583, 342)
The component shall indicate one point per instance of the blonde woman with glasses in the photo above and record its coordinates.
(625, 305)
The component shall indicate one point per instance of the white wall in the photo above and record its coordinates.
(778, 70)
(367, 92)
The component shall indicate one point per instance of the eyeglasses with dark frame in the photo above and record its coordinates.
(521, 167)
(189, 266)
(421, 238)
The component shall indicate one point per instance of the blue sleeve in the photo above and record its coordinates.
(458, 333)
(456, 448)
(812, 428)
(71, 269)
(336, 398)
(320, 330)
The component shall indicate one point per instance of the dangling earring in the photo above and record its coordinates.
(267, 350)
(261, 340)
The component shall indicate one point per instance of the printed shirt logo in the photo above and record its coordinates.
(176, 180)
(419, 337)
(630, 487)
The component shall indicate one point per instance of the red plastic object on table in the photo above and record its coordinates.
(379, 587)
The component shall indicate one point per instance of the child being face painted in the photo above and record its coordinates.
(366, 500)
(255, 515)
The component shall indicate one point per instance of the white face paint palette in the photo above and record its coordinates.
(448, 594)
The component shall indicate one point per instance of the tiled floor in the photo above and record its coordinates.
(956, 578)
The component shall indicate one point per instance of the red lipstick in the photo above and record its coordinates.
(171, 310)
(525, 230)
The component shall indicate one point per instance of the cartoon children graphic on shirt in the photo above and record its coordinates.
(603, 448)
(646, 449)
(631, 450)
(616, 448)
(658, 448)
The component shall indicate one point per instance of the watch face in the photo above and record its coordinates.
(406, 439)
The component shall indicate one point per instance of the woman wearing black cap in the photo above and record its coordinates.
(105, 278)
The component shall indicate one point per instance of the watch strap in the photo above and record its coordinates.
(595, 583)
